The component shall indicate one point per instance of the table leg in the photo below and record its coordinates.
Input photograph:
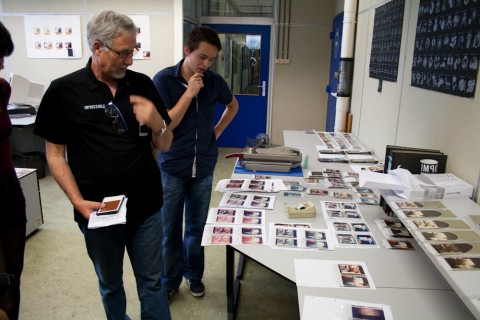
(233, 283)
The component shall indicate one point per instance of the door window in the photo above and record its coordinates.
(239, 62)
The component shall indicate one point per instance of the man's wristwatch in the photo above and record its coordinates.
(162, 131)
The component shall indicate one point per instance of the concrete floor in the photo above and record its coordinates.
(59, 281)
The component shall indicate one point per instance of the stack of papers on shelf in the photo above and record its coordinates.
(402, 183)
(454, 186)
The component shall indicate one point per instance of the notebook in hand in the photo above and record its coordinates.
(112, 205)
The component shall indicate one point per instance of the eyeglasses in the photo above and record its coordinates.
(119, 124)
(124, 54)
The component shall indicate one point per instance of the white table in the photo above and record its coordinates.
(402, 278)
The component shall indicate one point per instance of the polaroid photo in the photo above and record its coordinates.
(286, 233)
(427, 204)
(390, 223)
(293, 194)
(334, 214)
(291, 183)
(369, 201)
(351, 269)
(112, 205)
(318, 192)
(220, 239)
(364, 190)
(426, 214)
(298, 188)
(398, 244)
(285, 242)
(355, 281)
(317, 235)
(461, 235)
(249, 239)
(438, 224)
(341, 195)
(341, 226)
(360, 227)
(368, 313)
(461, 263)
(346, 238)
(331, 204)
(251, 231)
(316, 244)
(454, 248)
(366, 239)
(352, 214)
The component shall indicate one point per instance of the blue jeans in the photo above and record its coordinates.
(184, 257)
(143, 241)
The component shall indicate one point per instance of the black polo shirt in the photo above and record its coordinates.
(103, 162)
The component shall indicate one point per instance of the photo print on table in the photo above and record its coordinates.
(438, 224)
(398, 244)
(463, 263)
(427, 204)
(427, 214)
(350, 269)
(355, 281)
(456, 248)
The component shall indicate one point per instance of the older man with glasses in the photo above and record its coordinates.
(99, 124)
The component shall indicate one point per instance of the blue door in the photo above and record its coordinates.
(244, 63)
(336, 37)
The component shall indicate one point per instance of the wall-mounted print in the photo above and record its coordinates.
(386, 41)
(55, 37)
(142, 22)
(447, 47)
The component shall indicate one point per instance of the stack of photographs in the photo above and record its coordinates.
(394, 228)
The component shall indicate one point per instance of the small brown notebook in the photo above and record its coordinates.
(112, 205)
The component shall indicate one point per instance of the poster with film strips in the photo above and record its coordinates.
(447, 47)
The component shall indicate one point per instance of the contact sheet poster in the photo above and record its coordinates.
(447, 47)
(386, 41)
(56, 37)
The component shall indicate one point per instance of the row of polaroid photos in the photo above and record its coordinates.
(245, 200)
(281, 237)
(339, 141)
(236, 216)
(236, 234)
(257, 185)
(339, 210)
(352, 234)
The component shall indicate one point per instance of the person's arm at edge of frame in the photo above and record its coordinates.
(231, 110)
(60, 170)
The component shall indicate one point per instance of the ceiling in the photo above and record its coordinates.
(245, 8)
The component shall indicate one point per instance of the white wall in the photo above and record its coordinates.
(163, 21)
(299, 96)
(408, 116)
